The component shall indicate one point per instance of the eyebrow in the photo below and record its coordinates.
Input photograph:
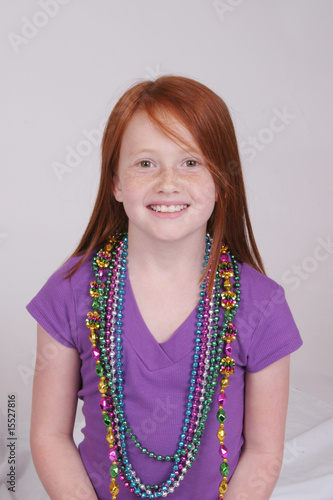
(142, 151)
(152, 150)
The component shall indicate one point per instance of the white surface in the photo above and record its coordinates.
(307, 472)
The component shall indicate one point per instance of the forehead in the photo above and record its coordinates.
(143, 129)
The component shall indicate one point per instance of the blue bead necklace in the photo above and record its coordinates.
(211, 344)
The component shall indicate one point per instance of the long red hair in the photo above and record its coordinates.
(207, 117)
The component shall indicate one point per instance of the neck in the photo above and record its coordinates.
(183, 257)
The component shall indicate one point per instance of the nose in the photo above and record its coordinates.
(168, 180)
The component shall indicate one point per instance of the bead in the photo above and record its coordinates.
(221, 415)
(114, 488)
(112, 454)
(110, 437)
(223, 451)
(107, 420)
(102, 387)
(227, 284)
(99, 370)
(103, 404)
(95, 353)
(93, 337)
(223, 487)
(224, 383)
(224, 469)
(221, 434)
(222, 398)
(228, 349)
(114, 470)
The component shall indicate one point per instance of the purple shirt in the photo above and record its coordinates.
(157, 377)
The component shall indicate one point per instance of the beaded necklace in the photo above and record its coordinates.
(212, 355)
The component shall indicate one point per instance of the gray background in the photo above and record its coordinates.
(64, 63)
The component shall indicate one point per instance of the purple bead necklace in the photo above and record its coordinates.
(212, 343)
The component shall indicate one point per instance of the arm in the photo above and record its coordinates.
(56, 458)
(266, 401)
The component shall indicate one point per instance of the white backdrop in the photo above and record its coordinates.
(65, 62)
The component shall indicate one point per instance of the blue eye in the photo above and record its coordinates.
(145, 163)
(191, 163)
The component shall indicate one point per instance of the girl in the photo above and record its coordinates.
(184, 367)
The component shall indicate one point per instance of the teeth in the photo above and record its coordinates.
(168, 208)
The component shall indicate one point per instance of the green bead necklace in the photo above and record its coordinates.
(211, 357)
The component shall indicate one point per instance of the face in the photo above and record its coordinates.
(167, 191)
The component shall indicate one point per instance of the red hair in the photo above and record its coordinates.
(207, 117)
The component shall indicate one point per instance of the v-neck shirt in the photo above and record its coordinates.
(160, 355)
(157, 377)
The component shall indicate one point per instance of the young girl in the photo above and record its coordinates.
(184, 367)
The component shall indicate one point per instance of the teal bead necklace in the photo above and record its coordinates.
(211, 356)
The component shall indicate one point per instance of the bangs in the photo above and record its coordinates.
(170, 122)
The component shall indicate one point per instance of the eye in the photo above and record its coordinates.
(191, 163)
(145, 163)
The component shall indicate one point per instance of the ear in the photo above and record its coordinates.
(117, 192)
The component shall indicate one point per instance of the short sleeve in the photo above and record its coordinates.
(275, 335)
(54, 309)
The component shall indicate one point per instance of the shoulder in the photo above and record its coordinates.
(83, 273)
(267, 330)
(62, 302)
(258, 290)
(60, 278)
(260, 295)
(253, 280)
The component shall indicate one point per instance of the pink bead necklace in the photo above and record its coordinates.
(212, 356)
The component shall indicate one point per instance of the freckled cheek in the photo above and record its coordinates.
(134, 182)
(129, 184)
(209, 193)
(206, 191)
(133, 189)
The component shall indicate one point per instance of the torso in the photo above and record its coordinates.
(157, 376)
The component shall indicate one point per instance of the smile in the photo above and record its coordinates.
(167, 208)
